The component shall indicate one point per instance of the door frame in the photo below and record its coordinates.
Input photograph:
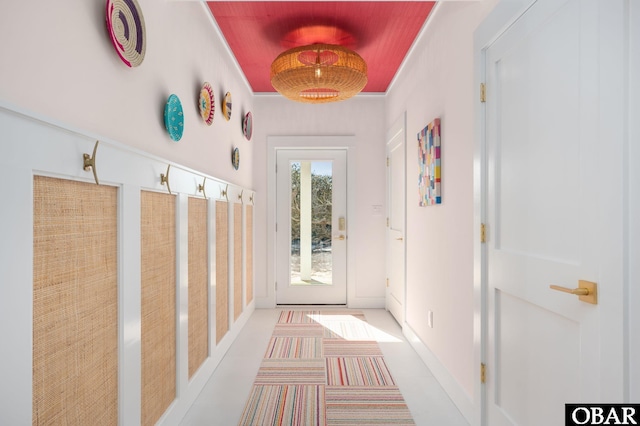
(504, 14)
(347, 143)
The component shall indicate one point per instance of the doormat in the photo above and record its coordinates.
(324, 368)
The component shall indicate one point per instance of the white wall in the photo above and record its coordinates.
(437, 81)
(57, 61)
(361, 117)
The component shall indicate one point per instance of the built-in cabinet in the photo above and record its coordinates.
(124, 278)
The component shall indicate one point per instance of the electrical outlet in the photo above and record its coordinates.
(430, 319)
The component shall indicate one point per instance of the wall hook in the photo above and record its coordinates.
(201, 188)
(251, 198)
(223, 193)
(90, 162)
(240, 196)
(164, 179)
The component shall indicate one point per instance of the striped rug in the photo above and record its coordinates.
(324, 368)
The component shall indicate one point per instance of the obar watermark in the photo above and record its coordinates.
(601, 414)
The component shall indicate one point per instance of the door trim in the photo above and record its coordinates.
(492, 27)
(274, 143)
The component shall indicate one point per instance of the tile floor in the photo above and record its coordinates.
(222, 399)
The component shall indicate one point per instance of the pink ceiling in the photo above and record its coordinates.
(381, 32)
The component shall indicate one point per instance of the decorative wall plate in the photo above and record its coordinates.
(247, 126)
(125, 24)
(235, 158)
(207, 104)
(174, 118)
(226, 106)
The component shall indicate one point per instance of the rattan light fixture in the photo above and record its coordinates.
(319, 73)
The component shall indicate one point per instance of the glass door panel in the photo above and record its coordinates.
(311, 226)
(311, 222)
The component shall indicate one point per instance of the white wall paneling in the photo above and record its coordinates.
(34, 147)
(439, 239)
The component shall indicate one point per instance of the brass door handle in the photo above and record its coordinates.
(577, 291)
(339, 237)
(399, 238)
(587, 291)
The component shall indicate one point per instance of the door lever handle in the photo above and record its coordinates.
(577, 291)
(587, 291)
(399, 238)
(339, 237)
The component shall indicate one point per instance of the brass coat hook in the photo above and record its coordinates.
(201, 188)
(240, 196)
(164, 179)
(90, 162)
(223, 193)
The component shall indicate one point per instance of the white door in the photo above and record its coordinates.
(548, 179)
(395, 216)
(311, 229)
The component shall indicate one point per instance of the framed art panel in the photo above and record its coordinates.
(429, 163)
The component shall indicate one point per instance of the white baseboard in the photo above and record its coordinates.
(366, 303)
(178, 409)
(354, 303)
(265, 302)
(457, 394)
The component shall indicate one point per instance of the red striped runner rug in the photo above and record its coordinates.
(324, 368)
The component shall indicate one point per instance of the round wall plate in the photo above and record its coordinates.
(206, 103)
(226, 106)
(174, 118)
(247, 126)
(235, 158)
(125, 24)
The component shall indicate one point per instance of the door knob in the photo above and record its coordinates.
(587, 291)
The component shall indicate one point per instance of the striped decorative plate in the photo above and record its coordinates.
(207, 104)
(226, 106)
(125, 24)
(247, 126)
(235, 158)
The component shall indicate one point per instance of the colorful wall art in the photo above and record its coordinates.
(429, 179)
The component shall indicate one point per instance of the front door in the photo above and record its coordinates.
(547, 185)
(311, 229)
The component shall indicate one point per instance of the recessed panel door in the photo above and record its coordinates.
(396, 221)
(545, 222)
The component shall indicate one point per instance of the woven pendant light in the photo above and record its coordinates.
(319, 73)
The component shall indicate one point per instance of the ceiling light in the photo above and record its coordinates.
(319, 73)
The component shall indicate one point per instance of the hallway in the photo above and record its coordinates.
(222, 400)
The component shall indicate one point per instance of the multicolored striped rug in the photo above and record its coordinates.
(324, 368)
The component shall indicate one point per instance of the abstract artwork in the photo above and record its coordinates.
(429, 164)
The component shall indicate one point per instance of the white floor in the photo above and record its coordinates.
(222, 400)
